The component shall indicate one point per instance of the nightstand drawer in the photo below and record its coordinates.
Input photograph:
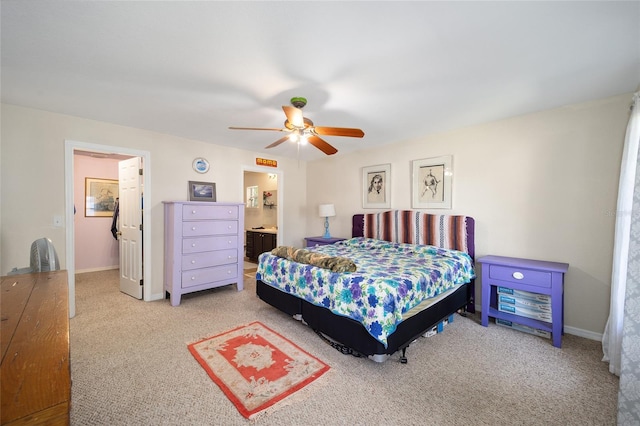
(520, 275)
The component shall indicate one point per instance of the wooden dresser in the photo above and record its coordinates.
(36, 375)
(204, 245)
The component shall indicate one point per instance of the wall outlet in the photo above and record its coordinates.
(57, 221)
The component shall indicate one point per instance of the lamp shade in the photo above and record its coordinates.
(326, 210)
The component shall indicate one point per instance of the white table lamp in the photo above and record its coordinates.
(326, 211)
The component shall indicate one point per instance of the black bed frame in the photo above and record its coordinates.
(350, 336)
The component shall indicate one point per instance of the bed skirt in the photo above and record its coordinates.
(352, 334)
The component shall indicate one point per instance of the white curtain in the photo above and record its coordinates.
(612, 337)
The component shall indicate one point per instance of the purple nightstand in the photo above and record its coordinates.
(321, 241)
(506, 278)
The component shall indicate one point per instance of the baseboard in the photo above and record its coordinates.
(157, 296)
(583, 333)
(104, 268)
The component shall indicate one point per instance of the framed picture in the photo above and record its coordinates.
(100, 197)
(432, 183)
(376, 187)
(202, 191)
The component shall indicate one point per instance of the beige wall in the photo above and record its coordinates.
(33, 179)
(540, 186)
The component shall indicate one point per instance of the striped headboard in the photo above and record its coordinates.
(416, 227)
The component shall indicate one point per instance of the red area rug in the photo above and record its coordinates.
(255, 366)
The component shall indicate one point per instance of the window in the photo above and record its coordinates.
(252, 197)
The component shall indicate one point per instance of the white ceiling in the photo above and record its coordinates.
(397, 70)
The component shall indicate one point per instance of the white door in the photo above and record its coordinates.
(130, 226)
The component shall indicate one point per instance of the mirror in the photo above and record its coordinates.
(269, 199)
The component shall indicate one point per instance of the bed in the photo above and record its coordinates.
(407, 271)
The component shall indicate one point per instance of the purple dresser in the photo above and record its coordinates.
(204, 246)
(523, 291)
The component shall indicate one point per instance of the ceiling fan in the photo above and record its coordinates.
(301, 129)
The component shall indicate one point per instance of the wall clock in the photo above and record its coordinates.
(201, 165)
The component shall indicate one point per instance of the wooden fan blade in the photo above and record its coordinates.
(294, 115)
(339, 131)
(278, 142)
(322, 145)
(258, 128)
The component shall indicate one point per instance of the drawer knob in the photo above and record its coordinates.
(518, 275)
(193, 212)
(229, 226)
(193, 228)
(193, 244)
(193, 262)
(193, 278)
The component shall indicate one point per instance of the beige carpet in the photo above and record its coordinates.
(130, 366)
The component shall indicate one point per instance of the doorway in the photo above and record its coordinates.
(263, 197)
(96, 246)
(70, 149)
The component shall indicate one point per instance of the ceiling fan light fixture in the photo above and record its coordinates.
(301, 130)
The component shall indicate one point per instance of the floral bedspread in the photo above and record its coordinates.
(390, 279)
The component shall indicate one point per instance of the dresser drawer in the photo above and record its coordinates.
(198, 212)
(209, 275)
(216, 227)
(201, 244)
(520, 275)
(210, 258)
